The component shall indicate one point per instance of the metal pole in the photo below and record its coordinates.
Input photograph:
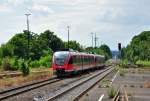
(95, 40)
(92, 39)
(27, 15)
(68, 36)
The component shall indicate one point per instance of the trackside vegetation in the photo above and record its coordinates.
(15, 54)
(138, 51)
(112, 92)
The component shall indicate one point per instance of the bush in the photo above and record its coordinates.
(35, 64)
(143, 63)
(25, 69)
(9, 63)
(6, 65)
(112, 92)
(20, 61)
(14, 63)
(124, 64)
(6, 50)
(45, 61)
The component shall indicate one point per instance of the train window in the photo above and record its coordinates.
(83, 59)
(60, 58)
(80, 61)
(74, 59)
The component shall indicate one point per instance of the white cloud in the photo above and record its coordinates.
(15, 2)
(42, 8)
(4, 9)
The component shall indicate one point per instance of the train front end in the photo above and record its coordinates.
(60, 62)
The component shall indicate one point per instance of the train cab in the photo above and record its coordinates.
(60, 61)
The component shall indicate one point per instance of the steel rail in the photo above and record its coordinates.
(86, 90)
(78, 84)
(21, 89)
(116, 97)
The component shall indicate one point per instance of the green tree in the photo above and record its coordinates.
(102, 50)
(6, 50)
(25, 69)
(20, 44)
(73, 45)
(49, 40)
(107, 51)
(139, 48)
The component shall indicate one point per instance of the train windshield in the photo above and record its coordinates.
(60, 58)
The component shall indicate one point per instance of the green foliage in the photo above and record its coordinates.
(20, 61)
(18, 45)
(19, 42)
(112, 92)
(10, 63)
(139, 48)
(14, 63)
(35, 64)
(43, 62)
(107, 51)
(40, 51)
(49, 40)
(105, 83)
(25, 69)
(143, 63)
(46, 61)
(6, 50)
(0, 61)
(73, 45)
(102, 50)
(124, 63)
(6, 64)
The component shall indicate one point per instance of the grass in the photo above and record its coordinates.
(105, 83)
(21, 80)
(145, 64)
(122, 72)
(112, 92)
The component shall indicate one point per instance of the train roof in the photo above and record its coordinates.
(79, 53)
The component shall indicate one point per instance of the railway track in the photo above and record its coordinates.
(4, 95)
(21, 89)
(14, 92)
(73, 91)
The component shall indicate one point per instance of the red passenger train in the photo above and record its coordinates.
(65, 62)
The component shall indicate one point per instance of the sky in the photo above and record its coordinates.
(113, 21)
